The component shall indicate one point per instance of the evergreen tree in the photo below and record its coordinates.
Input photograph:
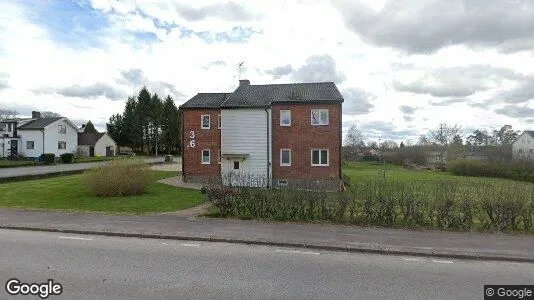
(89, 128)
(171, 129)
(115, 129)
(156, 112)
(143, 113)
(132, 128)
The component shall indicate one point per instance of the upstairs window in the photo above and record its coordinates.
(30, 144)
(62, 129)
(319, 157)
(319, 116)
(62, 145)
(9, 126)
(205, 121)
(285, 118)
(206, 157)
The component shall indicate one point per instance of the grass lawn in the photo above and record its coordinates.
(17, 163)
(358, 171)
(70, 193)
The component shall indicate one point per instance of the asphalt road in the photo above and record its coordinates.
(99, 267)
(39, 170)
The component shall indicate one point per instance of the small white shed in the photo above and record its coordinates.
(96, 144)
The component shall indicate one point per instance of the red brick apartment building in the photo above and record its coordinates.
(288, 134)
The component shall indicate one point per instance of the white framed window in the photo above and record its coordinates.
(285, 118)
(206, 156)
(205, 121)
(285, 157)
(219, 121)
(236, 165)
(62, 129)
(319, 117)
(61, 145)
(30, 145)
(220, 156)
(9, 126)
(320, 157)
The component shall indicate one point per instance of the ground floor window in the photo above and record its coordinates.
(62, 145)
(319, 157)
(30, 144)
(285, 157)
(236, 165)
(206, 156)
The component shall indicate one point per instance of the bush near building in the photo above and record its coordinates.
(48, 158)
(122, 177)
(67, 158)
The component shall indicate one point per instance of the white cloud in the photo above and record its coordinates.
(165, 41)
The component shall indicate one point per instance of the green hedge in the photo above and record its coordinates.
(522, 171)
(48, 158)
(430, 204)
(67, 158)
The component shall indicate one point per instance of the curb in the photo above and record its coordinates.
(361, 249)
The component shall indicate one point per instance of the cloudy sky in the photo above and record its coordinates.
(403, 66)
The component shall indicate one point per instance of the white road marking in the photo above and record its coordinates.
(164, 244)
(190, 245)
(412, 259)
(74, 238)
(442, 261)
(296, 251)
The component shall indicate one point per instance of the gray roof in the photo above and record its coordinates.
(14, 120)
(205, 100)
(530, 132)
(266, 95)
(89, 138)
(38, 123)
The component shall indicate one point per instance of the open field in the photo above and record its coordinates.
(70, 193)
(366, 171)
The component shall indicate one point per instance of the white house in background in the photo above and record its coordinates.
(96, 144)
(34, 136)
(523, 146)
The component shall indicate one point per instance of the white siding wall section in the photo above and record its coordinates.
(521, 148)
(244, 131)
(52, 137)
(102, 143)
(31, 135)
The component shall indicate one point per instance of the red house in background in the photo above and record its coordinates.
(285, 134)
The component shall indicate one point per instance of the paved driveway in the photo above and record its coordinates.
(39, 170)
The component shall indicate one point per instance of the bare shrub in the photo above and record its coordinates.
(122, 177)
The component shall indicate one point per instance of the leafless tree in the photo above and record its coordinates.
(7, 114)
(354, 137)
(49, 114)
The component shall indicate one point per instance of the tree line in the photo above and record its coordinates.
(148, 124)
(444, 135)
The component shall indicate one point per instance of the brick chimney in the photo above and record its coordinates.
(244, 82)
(36, 115)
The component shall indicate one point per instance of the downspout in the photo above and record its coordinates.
(268, 152)
(340, 141)
(42, 130)
(182, 151)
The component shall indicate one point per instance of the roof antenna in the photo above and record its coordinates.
(240, 69)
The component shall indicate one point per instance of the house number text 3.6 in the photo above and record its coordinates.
(192, 137)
